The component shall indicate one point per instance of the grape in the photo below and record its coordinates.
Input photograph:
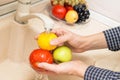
(76, 7)
(83, 12)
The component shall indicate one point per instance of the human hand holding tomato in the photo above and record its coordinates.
(43, 54)
(38, 56)
(46, 52)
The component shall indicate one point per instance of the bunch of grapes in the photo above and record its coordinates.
(68, 2)
(83, 12)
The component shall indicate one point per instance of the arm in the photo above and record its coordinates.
(95, 73)
(113, 38)
(80, 69)
(81, 43)
(106, 39)
(96, 41)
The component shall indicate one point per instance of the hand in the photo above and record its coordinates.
(76, 42)
(79, 43)
(77, 68)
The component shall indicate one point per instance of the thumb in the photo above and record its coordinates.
(47, 66)
(59, 40)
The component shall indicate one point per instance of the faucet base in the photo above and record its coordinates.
(18, 21)
(25, 3)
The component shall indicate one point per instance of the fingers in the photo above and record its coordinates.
(63, 36)
(59, 41)
(58, 31)
(36, 37)
(52, 67)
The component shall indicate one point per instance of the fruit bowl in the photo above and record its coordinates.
(75, 13)
(63, 20)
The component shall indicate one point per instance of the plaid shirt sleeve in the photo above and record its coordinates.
(95, 73)
(113, 41)
(113, 38)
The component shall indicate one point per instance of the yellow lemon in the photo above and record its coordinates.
(44, 40)
(71, 16)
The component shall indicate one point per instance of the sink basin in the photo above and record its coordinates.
(14, 50)
(17, 41)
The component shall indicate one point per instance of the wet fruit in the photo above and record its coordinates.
(71, 16)
(40, 55)
(79, 6)
(44, 39)
(62, 54)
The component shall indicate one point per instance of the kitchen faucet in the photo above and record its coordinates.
(23, 15)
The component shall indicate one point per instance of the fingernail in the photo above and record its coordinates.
(37, 64)
(53, 42)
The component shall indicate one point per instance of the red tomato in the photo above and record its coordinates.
(40, 55)
(59, 11)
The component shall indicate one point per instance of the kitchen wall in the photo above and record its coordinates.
(8, 6)
(2, 2)
(109, 8)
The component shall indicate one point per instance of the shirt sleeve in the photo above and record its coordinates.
(95, 73)
(113, 38)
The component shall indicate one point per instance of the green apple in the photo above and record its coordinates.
(62, 54)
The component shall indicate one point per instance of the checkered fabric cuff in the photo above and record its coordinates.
(113, 38)
(95, 73)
